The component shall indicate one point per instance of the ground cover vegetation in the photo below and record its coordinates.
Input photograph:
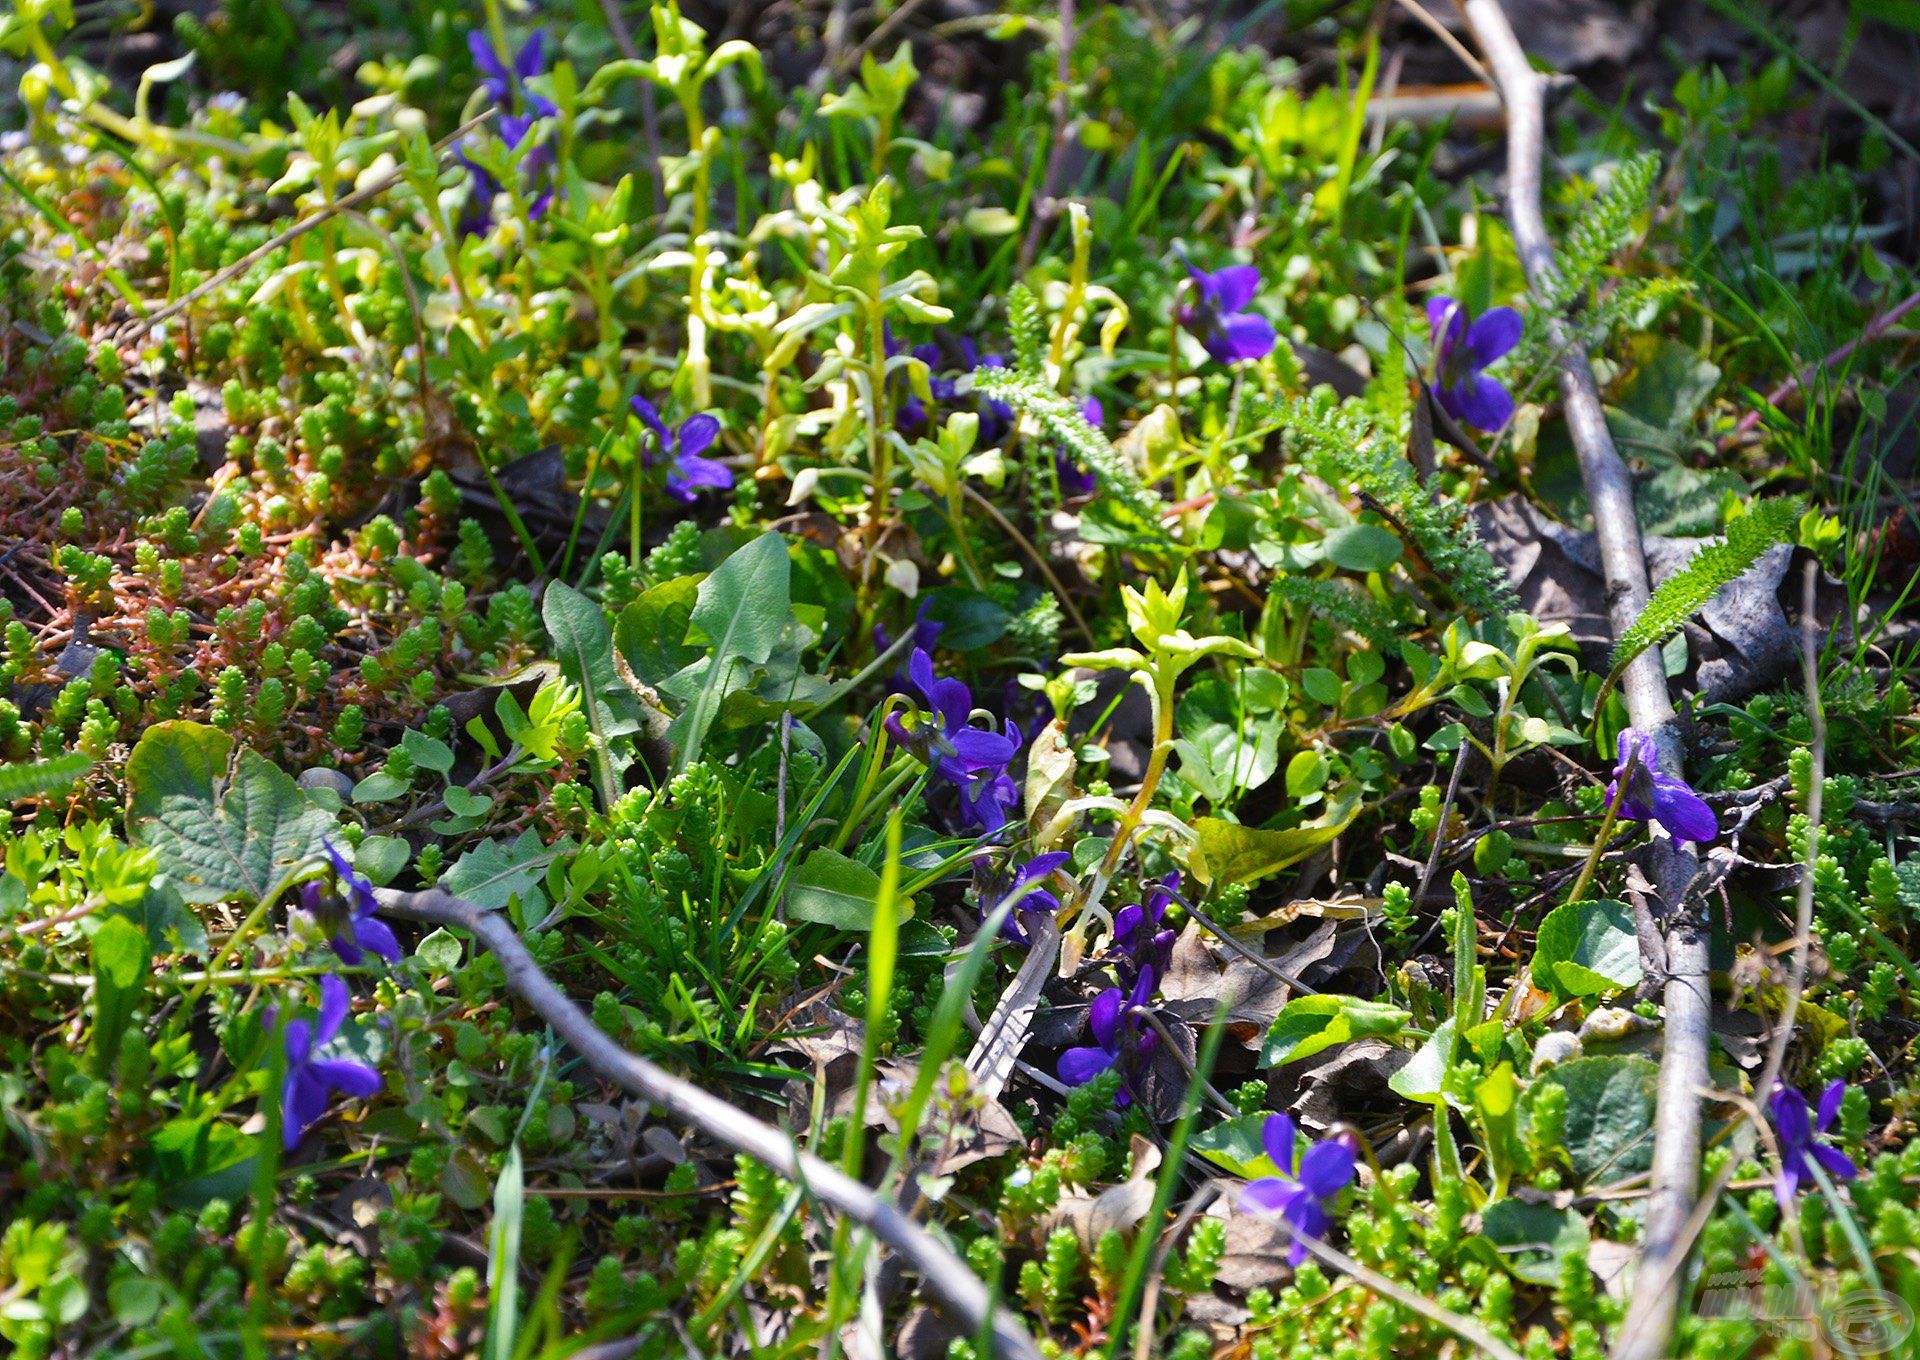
(1013, 593)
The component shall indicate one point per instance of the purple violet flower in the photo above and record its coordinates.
(974, 759)
(1024, 897)
(1140, 933)
(688, 470)
(1120, 1038)
(1299, 1194)
(1463, 351)
(943, 384)
(1800, 1148)
(926, 631)
(310, 1080)
(506, 87)
(503, 83)
(351, 927)
(1218, 314)
(1649, 795)
(1075, 481)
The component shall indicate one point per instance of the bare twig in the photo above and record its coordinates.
(946, 1276)
(1683, 1067)
(1748, 1132)
(1453, 44)
(1440, 836)
(999, 1045)
(141, 325)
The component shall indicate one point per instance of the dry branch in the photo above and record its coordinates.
(946, 1276)
(1683, 1067)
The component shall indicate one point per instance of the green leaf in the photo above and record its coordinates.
(1533, 1239)
(740, 612)
(1362, 547)
(440, 951)
(1585, 948)
(583, 645)
(831, 890)
(379, 787)
(1236, 1146)
(218, 834)
(503, 1260)
(651, 632)
(1682, 594)
(119, 974)
(381, 858)
(1609, 1128)
(1227, 852)
(492, 875)
(42, 778)
(1309, 1024)
(1423, 1076)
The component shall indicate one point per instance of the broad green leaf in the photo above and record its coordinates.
(832, 890)
(583, 645)
(1533, 1239)
(1422, 1077)
(1586, 948)
(1362, 547)
(381, 858)
(119, 973)
(219, 832)
(740, 612)
(651, 632)
(1226, 852)
(1236, 1146)
(440, 951)
(1609, 1128)
(492, 875)
(1309, 1024)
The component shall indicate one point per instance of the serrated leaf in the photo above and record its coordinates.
(219, 833)
(492, 874)
(1713, 567)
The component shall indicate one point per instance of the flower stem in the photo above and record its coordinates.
(1599, 845)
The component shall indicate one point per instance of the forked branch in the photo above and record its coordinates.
(1683, 1067)
(947, 1277)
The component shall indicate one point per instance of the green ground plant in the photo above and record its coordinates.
(959, 592)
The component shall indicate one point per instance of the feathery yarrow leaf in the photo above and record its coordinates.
(1345, 447)
(1029, 394)
(1711, 569)
(1603, 227)
(1027, 323)
(1344, 608)
(39, 778)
